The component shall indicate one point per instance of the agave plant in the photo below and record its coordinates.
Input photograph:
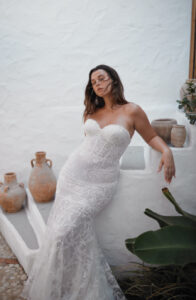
(175, 241)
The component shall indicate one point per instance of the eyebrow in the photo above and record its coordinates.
(98, 76)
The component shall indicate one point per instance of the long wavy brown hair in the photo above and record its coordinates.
(117, 91)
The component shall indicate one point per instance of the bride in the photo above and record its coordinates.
(70, 264)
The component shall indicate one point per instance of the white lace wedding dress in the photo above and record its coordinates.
(70, 264)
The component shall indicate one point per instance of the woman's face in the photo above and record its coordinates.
(101, 83)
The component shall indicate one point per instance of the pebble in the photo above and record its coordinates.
(12, 275)
(23, 277)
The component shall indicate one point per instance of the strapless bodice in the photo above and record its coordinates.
(99, 153)
(114, 132)
(109, 143)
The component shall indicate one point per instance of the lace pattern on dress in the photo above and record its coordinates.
(70, 264)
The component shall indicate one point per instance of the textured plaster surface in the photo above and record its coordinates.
(47, 50)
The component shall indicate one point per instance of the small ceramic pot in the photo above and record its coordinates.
(42, 182)
(178, 135)
(163, 128)
(12, 194)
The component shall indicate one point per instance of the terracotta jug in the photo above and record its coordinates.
(163, 128)
(178, 135)
(12, 194)
(42, 181)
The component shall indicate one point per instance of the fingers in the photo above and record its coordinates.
(160, 166)
(169, 172)
(169, 166)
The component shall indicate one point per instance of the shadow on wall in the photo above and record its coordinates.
(133, 158)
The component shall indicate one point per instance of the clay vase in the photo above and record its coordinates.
(42, 181)
(163, 128)
(178, 135)
(12, 194)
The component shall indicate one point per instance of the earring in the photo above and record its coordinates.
(96, 101)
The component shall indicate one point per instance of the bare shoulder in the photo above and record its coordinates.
(133, 109)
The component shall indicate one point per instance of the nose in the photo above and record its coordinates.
(97, 83)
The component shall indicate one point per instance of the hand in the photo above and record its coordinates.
(167, 161)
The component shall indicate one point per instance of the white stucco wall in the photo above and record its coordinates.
(47, 50)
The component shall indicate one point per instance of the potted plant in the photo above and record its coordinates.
(188, 100)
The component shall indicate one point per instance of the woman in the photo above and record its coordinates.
(104, 83)
(70, 264)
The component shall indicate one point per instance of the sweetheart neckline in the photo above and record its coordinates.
(113, 124)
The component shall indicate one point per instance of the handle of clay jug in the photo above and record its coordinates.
(49, 160)
(21, 184)
(32, 164)
(1, 183)
(6, 188)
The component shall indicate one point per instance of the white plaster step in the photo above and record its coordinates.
(24, 230)
(44, 209)
(21, 223)
(20, 236)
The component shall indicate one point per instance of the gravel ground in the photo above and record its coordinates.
(12, 275)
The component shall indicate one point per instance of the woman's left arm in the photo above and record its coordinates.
(167, 159)
(144, 128)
